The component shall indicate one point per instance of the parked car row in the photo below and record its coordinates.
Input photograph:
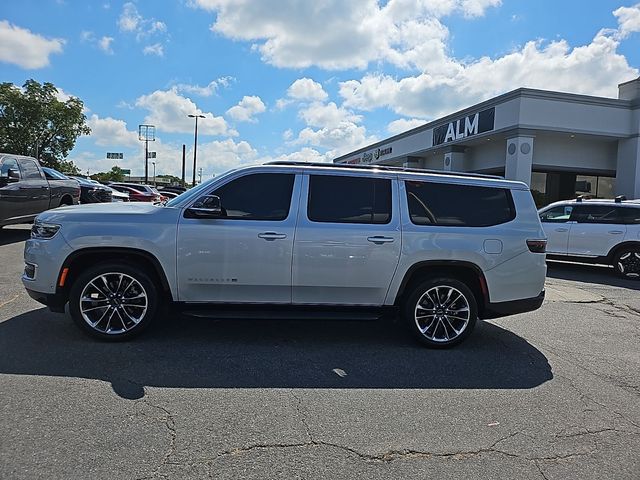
(27, 189)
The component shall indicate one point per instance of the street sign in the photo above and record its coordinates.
(126, 171)
(115, 155)
(151, 154)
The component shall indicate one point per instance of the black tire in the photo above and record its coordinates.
(441, 329)
(126, 320)
(626, 262)
(66, 201)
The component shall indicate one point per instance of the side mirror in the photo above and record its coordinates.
(12, 176)
(208, 206)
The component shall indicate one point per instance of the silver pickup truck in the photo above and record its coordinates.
(25, 190)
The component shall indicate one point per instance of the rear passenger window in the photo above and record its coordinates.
(30, 170)
(261, 196)
(596, 214)
(340, 199)
(456, 205)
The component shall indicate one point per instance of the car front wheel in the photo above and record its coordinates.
(627, 263)
(113, 301)
(441, 312)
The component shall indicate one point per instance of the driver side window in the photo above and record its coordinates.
(9, 164)
(260, 196)
(559, 214)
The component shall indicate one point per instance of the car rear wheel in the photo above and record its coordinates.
(113, 301)
(441, 312)
(627, 263)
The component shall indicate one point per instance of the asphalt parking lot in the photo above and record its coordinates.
(549, 394)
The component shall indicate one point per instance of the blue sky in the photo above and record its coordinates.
(290, 79)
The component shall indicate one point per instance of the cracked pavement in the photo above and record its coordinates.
(551, 394)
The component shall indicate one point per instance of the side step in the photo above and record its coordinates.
(286, 312)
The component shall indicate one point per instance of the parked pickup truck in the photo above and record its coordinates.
(25, 190)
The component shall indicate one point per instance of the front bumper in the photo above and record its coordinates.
(55, 301)
(513, 307)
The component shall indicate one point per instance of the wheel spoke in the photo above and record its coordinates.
(447, 316)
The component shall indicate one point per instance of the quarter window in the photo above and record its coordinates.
(456, 205)
(261, 196)
(630, 215)
(344, 199)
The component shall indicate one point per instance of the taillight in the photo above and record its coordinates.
(537, 246)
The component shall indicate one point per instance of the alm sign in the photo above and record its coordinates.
(468, 126)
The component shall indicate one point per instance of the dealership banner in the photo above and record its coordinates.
(468, 126)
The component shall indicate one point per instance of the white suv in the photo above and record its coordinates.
(303, 240)
(595, 231)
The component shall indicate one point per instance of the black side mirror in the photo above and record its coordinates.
(208, 206)
(12, 176)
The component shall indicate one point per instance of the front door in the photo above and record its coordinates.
(557, 225)
(348, 239)
(244, 256)
(35, 186)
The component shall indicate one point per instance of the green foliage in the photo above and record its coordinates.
(34, 122)
(113, 175)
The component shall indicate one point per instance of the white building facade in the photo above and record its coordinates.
(561, 144)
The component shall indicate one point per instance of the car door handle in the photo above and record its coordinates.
(616, 232)
(562, 229)
(272, 236)
(380, 240)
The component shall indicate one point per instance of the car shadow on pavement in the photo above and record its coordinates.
(598, 274)
(13, 235)
(201, 353)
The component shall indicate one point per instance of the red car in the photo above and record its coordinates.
(136, 195)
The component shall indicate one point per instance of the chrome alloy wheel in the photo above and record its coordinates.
(113, 303)
(629, 263)
(442, 313)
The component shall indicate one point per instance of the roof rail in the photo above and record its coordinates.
(386, 168)
(620, 199)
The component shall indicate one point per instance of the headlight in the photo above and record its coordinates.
(44, 230)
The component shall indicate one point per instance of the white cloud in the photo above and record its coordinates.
(26, 49)
(130, 19)
(155, 49)
(287, 134)
(335, 34)
(552, 66)
(246, 109)
(403, 124)
(628, 20)
(207, 90)
(168, 111)
(306, 89)
(105, 45)
(110, 132)
(305, 154)
(327, 115)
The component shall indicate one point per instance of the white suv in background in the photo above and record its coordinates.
(595, 231)
(301, 240)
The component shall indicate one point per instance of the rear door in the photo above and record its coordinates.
(597, 229)
(34, 186)
(348, 239)
(557, 224)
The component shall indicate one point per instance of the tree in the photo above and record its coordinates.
(113, 175)
(34, 122)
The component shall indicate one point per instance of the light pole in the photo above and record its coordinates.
(146, 134)
(154, 173)
(195, 145)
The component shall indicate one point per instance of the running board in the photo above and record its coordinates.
(311, 312)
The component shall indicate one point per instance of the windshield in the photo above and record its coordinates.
(196, 191)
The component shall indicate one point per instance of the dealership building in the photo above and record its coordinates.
(561, 144)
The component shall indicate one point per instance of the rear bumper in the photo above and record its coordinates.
(513, 307)
(54, 301)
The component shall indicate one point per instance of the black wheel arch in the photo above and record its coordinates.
(614, 251)
(467, 272)
(79, 259)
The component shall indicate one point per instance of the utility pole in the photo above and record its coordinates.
(146, 133)
(195, 145)
(184, 156)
